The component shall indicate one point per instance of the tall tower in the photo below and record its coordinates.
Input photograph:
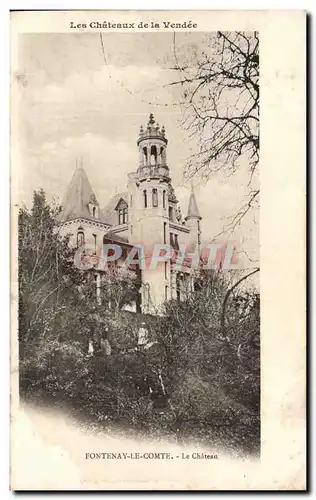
(148, 190)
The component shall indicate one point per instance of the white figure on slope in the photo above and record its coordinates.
(142, 336)
(90, 348)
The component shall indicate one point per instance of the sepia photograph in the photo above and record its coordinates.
(137, 199)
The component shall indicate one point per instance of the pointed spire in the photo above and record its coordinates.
(78, 195)
(193, 210)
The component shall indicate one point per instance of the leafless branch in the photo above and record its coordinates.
(220, 92)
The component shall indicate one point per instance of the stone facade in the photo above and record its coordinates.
(147, 214)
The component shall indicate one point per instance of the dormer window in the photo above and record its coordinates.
(94, 206)
(94, 210)
(122, 212)
(122, 215)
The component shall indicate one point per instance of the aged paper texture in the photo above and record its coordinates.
(157, 269)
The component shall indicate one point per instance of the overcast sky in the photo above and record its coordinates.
(75, 104)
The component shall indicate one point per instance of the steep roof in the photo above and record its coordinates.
(78, 196)
(109, 213)
(115, 238)
(193, 210)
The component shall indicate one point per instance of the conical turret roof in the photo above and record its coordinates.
(193, 210)
(78, 196)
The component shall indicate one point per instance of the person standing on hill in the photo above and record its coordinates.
(105, 344)
(142, 337)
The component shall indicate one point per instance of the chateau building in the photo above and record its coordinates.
(146, 214)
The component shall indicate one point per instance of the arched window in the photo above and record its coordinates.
(80, 238)
(93, 211)
(153, 155)
(145, 155)
(155, 198)
(164, 199)
(95, 243)
(145, 198)
(161, 155)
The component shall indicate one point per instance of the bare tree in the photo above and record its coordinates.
(220, 91)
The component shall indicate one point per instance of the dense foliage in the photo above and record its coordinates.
(196, 381)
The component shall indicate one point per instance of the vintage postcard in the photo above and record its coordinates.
(158, 242)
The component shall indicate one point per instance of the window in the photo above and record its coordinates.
(153, 155)
(145, 198)
(95, 243)
(165, 232)
(164, 199)
(166, 269)
(122, 215)
(145, 155)
(171, 240)
(155, 198)
(176, 242)
(166, 292)
(93, 211)
(122, 212)
(80, 238)
(170, 213)
(161, 155)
